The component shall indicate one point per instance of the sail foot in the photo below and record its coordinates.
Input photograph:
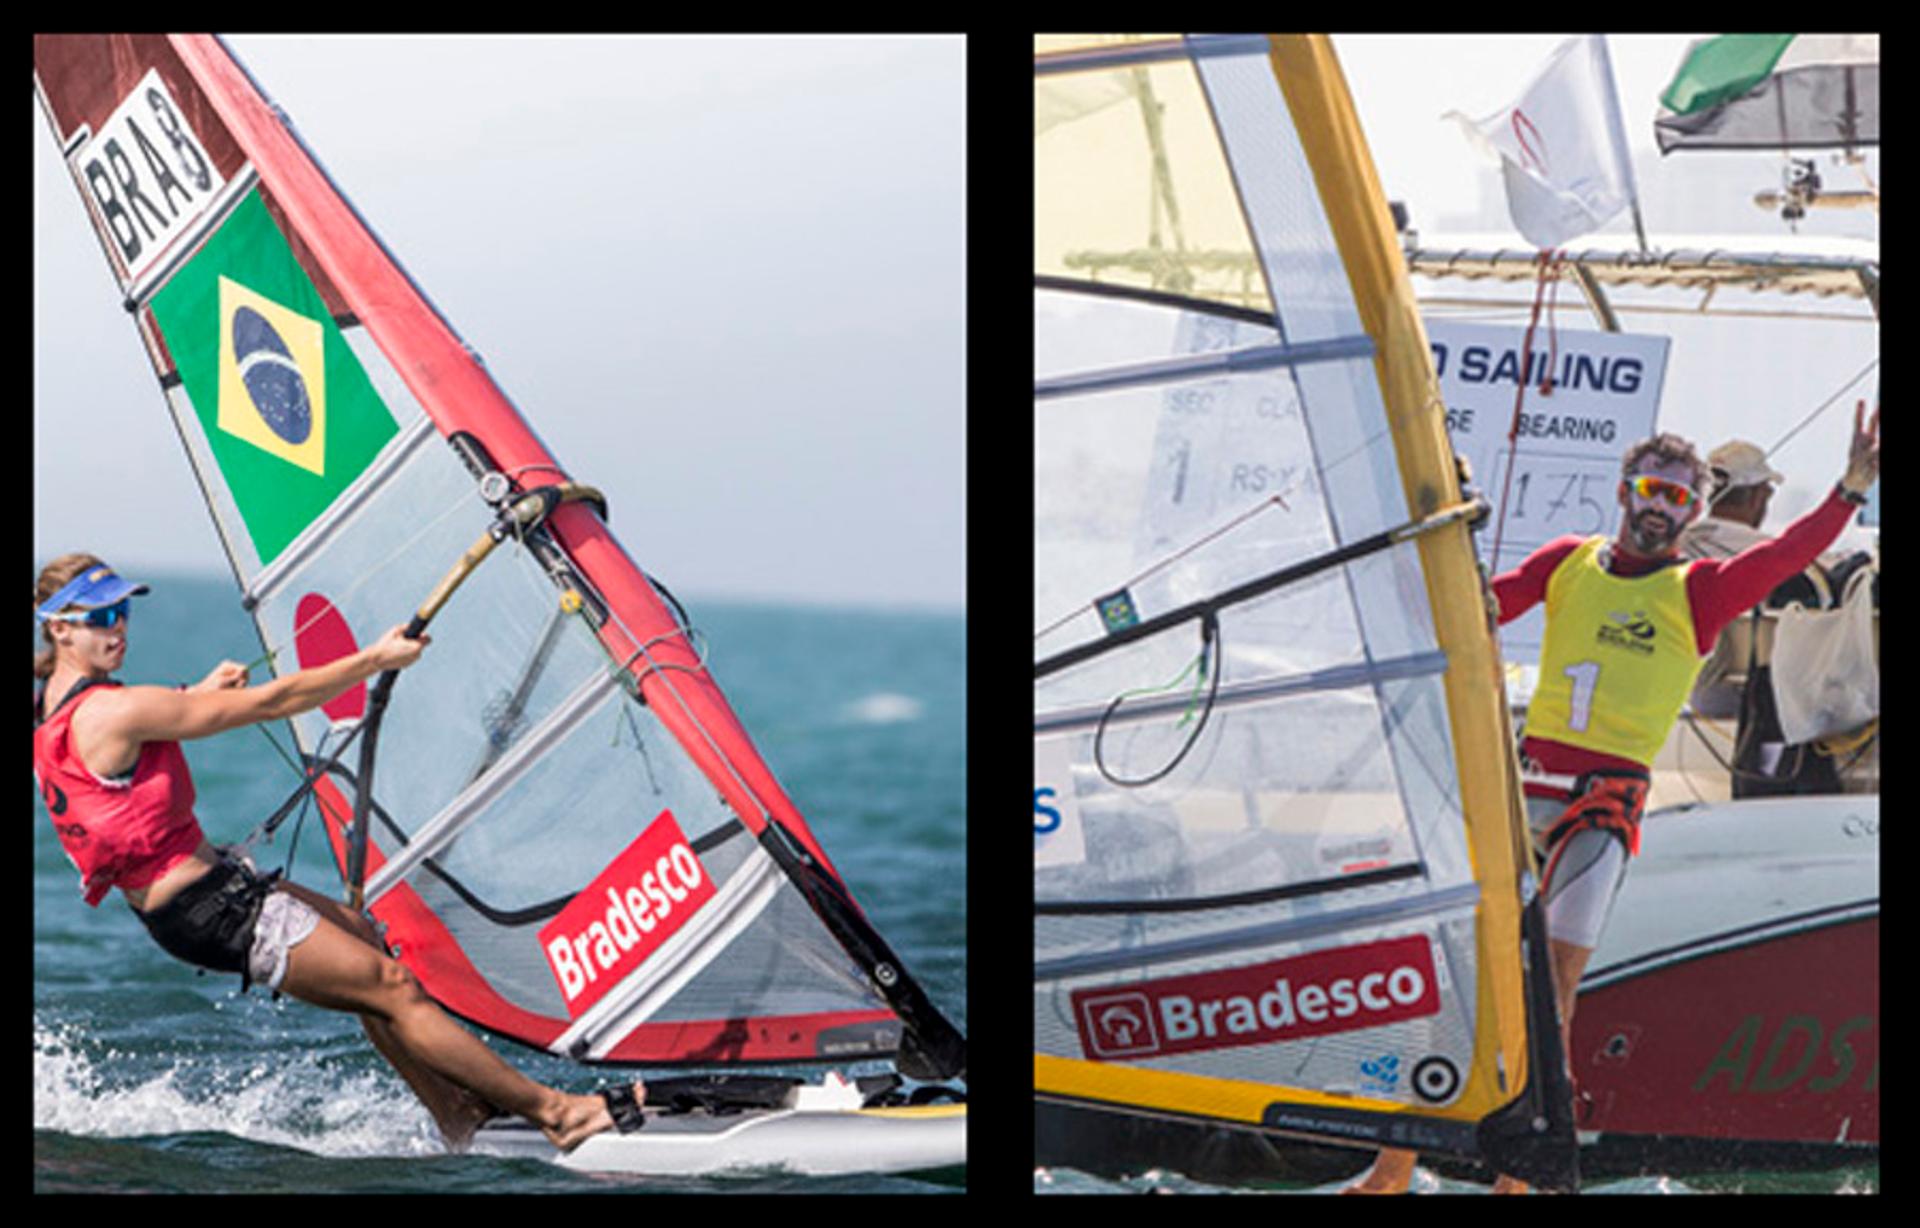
(930, 1046)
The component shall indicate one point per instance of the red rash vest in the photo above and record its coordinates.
(1718, 591)
(124, 834)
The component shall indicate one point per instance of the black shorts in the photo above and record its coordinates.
(210, 922)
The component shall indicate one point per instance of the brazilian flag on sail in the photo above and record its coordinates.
(286, 408)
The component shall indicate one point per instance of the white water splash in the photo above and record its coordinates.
(297, 1103)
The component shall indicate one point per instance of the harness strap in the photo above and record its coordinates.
(210, 923)
(40, 714)
(1611, 801)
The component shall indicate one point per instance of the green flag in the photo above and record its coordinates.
(1718, 70)
(287, 410)
(1774, 91)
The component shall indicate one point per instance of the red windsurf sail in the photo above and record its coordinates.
(564, 795)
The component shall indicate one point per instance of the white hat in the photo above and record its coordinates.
(1738, 463)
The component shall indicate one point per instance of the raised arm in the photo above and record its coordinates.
(1723, 589)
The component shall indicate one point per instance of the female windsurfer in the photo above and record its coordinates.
(108, 762)
(1630, 621)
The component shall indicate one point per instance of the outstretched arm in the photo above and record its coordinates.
(1721, 590)
(113, 726)
(1525, 586)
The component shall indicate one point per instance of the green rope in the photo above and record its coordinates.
(1196, 667)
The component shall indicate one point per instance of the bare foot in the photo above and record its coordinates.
(582, 1117)
(1392, 1173)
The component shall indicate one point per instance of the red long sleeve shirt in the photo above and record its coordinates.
(1718, 591)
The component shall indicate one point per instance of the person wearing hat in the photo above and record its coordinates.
(1743, 486)
(109, 767)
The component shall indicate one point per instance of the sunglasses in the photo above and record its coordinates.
(1676, 495)
(105, 617)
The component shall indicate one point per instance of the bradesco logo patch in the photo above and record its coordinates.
(1310, 995)
(642, 899)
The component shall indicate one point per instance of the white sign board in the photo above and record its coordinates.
(1057, 837)
(1605, 395)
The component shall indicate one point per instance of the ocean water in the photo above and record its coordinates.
(151, 1078)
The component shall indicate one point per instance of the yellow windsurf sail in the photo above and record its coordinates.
(1280, 871)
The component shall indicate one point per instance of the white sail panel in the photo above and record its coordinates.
(1297, 898)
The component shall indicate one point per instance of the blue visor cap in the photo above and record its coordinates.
(92, 589)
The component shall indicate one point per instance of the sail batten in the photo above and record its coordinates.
(736, 907)
(1201, 366)
(141, 291)
(1280, 870)
(271, 578)
(1068, 720)
(484, 790)
(1315, 925)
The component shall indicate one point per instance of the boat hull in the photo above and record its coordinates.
(910, 1139)
(1736, 995)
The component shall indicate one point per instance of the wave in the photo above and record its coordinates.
(279, 1099)
(882, 708)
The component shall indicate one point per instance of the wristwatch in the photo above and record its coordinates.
(1858, 500)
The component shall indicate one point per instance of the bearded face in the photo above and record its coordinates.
(1653, 531)
(1660, 501)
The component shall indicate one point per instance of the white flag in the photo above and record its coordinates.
(1562, 146)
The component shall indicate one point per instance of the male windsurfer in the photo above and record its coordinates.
(1628, 623)
(108, 762)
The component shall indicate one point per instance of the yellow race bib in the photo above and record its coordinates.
(1618, 659)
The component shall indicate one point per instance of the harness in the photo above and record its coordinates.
(40, 713)
(210, 922)
(1607, 799)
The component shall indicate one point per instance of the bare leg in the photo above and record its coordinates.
(1569, 962)
(337, 968)
(456, 1111)
(1392, 1171)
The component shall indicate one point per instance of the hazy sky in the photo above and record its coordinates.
(724, 279)
(1403, 85)
(1724, 379)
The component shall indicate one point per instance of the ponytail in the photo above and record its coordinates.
(54, 577)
